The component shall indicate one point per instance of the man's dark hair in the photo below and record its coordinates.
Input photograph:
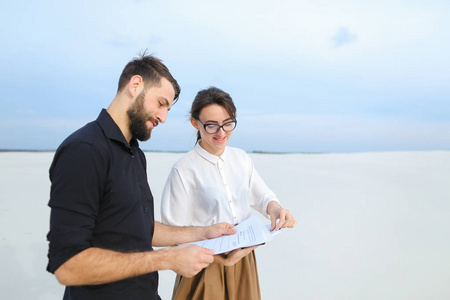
(151, 69)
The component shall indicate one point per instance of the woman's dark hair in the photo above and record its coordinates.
(151, 69)
(209, 96)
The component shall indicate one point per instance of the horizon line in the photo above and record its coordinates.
(251, 152)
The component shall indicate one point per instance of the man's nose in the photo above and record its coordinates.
(162, 116)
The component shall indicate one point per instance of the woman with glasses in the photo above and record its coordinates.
(216, 183)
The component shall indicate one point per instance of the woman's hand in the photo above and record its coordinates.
(234, 256)
(276, 212)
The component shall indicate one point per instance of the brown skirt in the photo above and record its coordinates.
(221, 283)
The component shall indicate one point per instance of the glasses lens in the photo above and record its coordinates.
(211, 128)
(229, 126)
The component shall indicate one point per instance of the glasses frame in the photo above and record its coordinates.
(219, 126)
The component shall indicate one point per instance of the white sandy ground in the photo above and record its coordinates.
(370, 226)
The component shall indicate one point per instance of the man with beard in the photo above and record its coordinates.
(102, 226)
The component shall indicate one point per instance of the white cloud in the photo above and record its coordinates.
(343, 36)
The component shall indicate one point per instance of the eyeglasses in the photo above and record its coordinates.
(213, 128)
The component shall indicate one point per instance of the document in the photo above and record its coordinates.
(249, 233)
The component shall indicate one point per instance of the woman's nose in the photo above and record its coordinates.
(221, 132)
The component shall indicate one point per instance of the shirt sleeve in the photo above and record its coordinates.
(76, 189)
(260, 194)
(176, 207)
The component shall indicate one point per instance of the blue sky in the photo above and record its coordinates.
(306, 76)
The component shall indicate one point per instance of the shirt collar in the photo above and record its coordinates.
(112, 131)
(208, 156)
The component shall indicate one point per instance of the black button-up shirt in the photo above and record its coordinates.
(100, 197)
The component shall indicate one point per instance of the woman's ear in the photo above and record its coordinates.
(195, 123)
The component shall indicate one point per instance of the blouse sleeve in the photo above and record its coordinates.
(176, 207)
(260, 193)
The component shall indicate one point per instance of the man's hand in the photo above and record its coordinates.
(234, 256)
(188, 260)
(276, 212)
(218, 230)
(165, 235)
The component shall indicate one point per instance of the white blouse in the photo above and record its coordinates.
(203, 189)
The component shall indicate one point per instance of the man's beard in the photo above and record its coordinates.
(138, 118)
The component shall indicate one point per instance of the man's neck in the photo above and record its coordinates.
(118, 112)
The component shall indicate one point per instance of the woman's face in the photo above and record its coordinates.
(213, 114)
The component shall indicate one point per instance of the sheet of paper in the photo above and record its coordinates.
(274, 232)
(251, 232)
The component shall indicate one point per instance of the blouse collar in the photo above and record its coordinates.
(208, 156)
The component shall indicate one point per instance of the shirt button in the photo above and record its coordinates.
(132, 156)
(146, 210)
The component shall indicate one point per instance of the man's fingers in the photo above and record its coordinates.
(207, 251)
(206, 257)
(227, 228)
(230, 231)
